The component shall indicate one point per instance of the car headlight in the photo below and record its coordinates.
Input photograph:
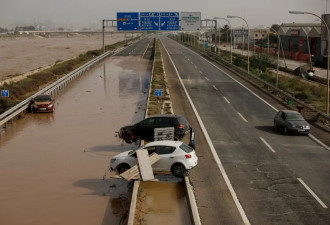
(307, 127)
(113, 160)
(49, 106)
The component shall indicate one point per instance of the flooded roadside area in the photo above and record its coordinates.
(162, 203)
(52, 165)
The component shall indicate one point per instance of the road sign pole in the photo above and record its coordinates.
(103, 35)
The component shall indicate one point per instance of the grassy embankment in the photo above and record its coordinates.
(158, 81)
(24, 88)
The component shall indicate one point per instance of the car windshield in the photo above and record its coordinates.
(186, 148)
(43, 98)
(293, 116)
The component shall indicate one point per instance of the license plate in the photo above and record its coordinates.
(42, 108)
(301, 130)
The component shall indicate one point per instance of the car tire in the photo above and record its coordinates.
(178, 170)
(122, 168)
(285, 131)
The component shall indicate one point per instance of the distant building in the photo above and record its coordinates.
(300, 40)
(24, 28)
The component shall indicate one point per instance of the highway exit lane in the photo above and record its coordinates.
(239, 124)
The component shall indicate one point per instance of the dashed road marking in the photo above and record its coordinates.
(195, 67)
(266, 143)
(200, 72)
(226, 100)
(207, 79)
(312, 193)
(215, 87)
(245, 120)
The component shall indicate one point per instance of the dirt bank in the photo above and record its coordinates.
(20, 55)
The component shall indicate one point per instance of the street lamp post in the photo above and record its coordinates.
(231, 38)
(278, 52)
(243, 36)
(328, 60)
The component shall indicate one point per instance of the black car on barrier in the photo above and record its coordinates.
(145, 129)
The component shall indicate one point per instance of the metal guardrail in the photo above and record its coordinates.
(310, 112)
(50, 89)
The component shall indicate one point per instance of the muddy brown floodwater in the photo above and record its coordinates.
(162, 203)
(52, 165)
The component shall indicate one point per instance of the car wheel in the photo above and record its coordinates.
(127, 136)
(285, 130)
(122, 168)
(178, 170)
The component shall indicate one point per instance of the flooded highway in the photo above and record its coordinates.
(52, 165)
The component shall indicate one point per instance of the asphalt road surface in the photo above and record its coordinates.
(278, 179)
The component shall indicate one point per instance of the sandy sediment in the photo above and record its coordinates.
(19, 55)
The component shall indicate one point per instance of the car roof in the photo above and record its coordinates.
(43, 95)
(289, 111)
(165, 115)
(166, 142)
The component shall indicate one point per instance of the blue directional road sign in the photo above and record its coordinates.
(4, 93)
(149, 20)
(127, 21)
(169, 21)
(158, 92)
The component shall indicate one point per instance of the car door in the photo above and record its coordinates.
(167, 157)
(145, 129)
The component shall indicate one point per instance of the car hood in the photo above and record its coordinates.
(121, 155)
(298, 123)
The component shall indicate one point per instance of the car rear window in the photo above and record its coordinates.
(183, 120)
(186, 148)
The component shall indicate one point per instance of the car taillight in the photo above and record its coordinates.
(188, 156)
(181, 126)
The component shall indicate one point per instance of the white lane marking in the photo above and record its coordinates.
(245, 120)
(226, 100)
(312, 193)
(145, 50)
(200, 72)
(233, 79)
(266, 143)
(192, 63)
(207, 79)
(214, 153)
(319, 142)
(195, 67)
(312, 137)
(215, 87)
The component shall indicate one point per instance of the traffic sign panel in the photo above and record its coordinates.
(190, 21)
(4, 93)
(158, 92)
(149, 20)
(169, 21)
(127, 21)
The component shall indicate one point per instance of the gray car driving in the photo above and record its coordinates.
(290, 121)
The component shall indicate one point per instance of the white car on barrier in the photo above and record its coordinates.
(176, 157)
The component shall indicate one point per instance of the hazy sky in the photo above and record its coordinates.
(89, 13)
